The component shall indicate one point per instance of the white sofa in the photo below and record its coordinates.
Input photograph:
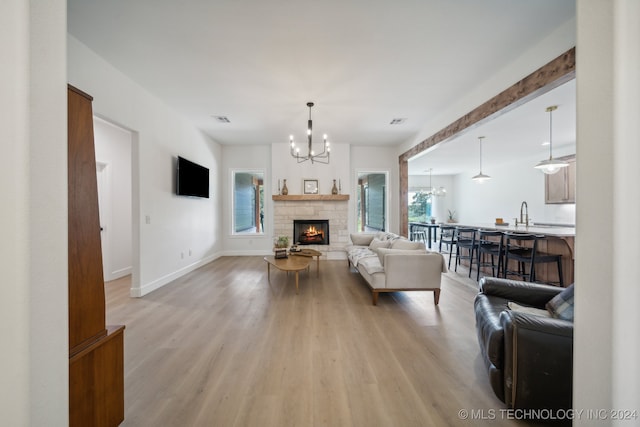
(389, 263)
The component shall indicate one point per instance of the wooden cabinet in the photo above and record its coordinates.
(96, 356)
(561, 186)
(86, 283)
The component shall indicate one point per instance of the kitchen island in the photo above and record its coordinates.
(557, 240)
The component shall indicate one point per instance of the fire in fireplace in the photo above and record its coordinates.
(311, 231)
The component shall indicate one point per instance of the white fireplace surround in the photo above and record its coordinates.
(335, 211)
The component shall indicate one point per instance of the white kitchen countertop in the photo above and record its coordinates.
(547, 230)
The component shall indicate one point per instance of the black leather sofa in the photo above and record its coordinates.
(529, 357)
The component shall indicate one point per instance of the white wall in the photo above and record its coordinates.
(172, 235)
(503, 194)
(248, 157)
(607, 343)
(499, 197)
(626, 175)
(346, 161)
(113, 148)
(285, 167)
(33, 214)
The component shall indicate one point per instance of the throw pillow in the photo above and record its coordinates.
(385, 235)
(361, 239)
(406, 244)
(527, 309)
(561, 306)
(377, 243)
(382, 235)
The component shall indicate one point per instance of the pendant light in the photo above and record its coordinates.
(433, 191)
(481, 177)
(552, 165)
(430, 191)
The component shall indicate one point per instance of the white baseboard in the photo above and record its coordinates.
(137, 292)
(120, 273)
(341, 255)
(257, 252)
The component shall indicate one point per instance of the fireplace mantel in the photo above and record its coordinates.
(309, 197)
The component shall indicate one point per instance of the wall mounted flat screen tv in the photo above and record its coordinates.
(191, 179)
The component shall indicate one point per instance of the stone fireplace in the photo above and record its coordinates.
(311, 231)
(333, 209)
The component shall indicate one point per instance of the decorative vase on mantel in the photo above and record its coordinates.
(285, 190)
(334, 189)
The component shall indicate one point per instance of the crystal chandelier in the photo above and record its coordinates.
(552, 165)
(322, 157)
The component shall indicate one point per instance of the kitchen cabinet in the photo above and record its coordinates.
(561, 186)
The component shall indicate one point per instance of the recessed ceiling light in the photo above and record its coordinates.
(398, 121)
(222, 119)
(545, 142)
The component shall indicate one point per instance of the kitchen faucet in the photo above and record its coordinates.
(526, 214)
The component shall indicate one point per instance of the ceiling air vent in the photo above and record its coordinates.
(222, 119)
(398, 121)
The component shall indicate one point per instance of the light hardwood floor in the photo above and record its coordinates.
(222, 346)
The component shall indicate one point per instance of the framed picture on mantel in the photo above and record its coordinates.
(310, 186)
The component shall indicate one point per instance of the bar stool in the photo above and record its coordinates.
(448, 238)
(492, 247)
(527, 255)
(465, 240)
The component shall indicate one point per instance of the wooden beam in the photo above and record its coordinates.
(363, 205)
(404, 197)
(553, 74)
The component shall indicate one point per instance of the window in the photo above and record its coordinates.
(420, 206)
(371, 201)
(248, 202)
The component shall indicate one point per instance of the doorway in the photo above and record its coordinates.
(113, 159)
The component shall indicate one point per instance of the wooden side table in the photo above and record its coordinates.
(309, 253)
(295, 264)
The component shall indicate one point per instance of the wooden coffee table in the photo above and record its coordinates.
(309, 253)
(295, 264)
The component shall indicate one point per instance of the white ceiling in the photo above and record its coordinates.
(516, 134)
(363, 62)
